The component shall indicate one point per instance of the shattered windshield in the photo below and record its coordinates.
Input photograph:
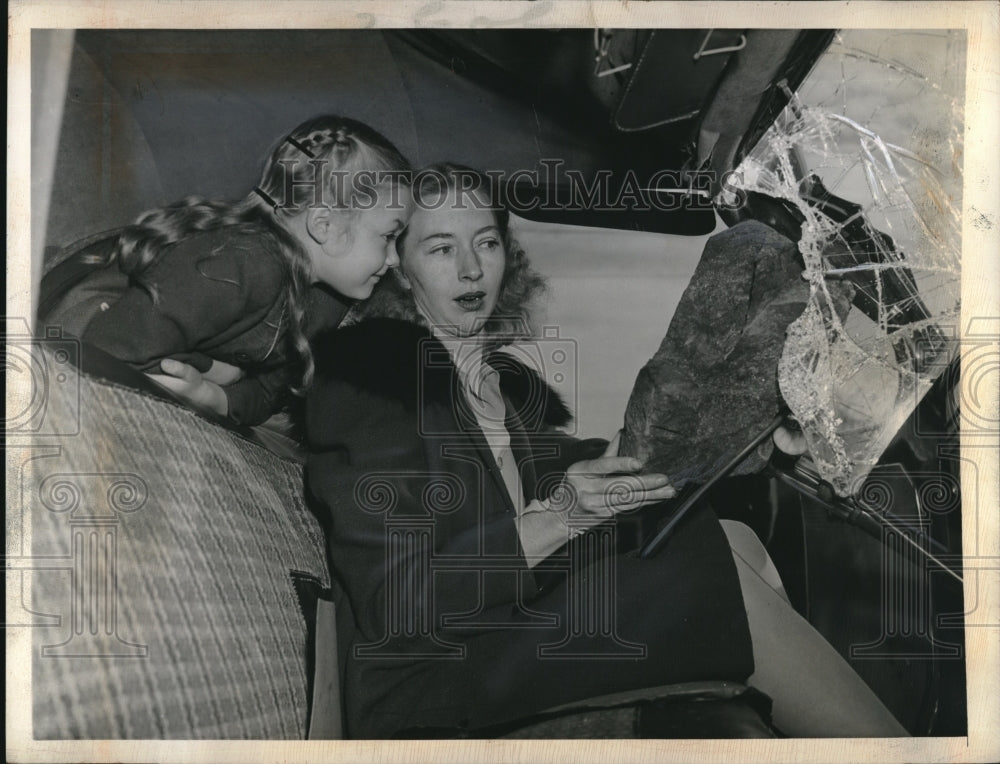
(877, 123)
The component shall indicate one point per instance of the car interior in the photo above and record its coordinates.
(219, 620)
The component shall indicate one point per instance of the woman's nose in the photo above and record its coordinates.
(468, 265)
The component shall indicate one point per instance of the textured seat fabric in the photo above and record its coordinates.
(164, 550)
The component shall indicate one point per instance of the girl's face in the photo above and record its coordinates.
(453, 260)
(363, 247)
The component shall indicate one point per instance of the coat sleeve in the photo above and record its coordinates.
(255, 398)
(203, 290)
(562, 452)
(544, 527)
(367, 466)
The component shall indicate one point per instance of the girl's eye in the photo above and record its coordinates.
(444, 249)
(390, 237)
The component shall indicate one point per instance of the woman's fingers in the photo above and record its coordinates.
(616, 494)
(605, 465)
(604, 486)
(635, 491)
(649, 482)
(654, 495)
(790, 441)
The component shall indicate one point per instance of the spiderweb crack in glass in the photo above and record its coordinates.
(878, 122)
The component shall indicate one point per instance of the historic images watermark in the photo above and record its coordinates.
(93, 504)
(425, 566)
(41, 363)
(415, 622)
(78, 575)
(911, 560)
(548, 356)
(914, 565)
(550, 187)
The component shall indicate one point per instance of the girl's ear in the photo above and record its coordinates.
(319, 222)
(324, 224)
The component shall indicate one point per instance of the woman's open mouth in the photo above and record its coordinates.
(471, 301)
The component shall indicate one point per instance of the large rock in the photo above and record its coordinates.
(712, 385)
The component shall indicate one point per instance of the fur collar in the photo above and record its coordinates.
(383, 356)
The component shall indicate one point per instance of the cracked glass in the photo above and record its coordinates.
(878, 123)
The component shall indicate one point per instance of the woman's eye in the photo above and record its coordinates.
(390, 237)
(444, 249)
(489, 244)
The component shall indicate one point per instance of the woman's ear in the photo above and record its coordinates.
(401, 278)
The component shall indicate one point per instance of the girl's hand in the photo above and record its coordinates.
(597, 489)
(192, 387)
(223, 374)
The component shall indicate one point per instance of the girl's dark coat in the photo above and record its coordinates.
(393, 454)
(221, 296)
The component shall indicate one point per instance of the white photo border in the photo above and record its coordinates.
(980, 299)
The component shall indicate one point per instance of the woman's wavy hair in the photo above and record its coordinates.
(318, 162)
(521, 287)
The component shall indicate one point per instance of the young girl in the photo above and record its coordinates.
(216, 301)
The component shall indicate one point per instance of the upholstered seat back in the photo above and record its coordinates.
(167, 553)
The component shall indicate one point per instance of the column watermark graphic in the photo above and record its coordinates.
(409, 616)
(74, 578)
(93, 527)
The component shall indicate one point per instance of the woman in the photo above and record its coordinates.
(452, 497)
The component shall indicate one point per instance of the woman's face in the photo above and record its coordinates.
(453, 260)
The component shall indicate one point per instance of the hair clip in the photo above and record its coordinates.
(266, 197)
(300, 147)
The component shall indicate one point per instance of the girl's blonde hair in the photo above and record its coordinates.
(318, 163)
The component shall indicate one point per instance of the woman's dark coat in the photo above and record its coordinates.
(451, 631)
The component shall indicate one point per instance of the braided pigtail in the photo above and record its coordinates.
(298, 282)
(141, 243)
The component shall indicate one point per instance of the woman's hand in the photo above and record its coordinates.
(597, 489)
(790, 440)
(192, 387)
